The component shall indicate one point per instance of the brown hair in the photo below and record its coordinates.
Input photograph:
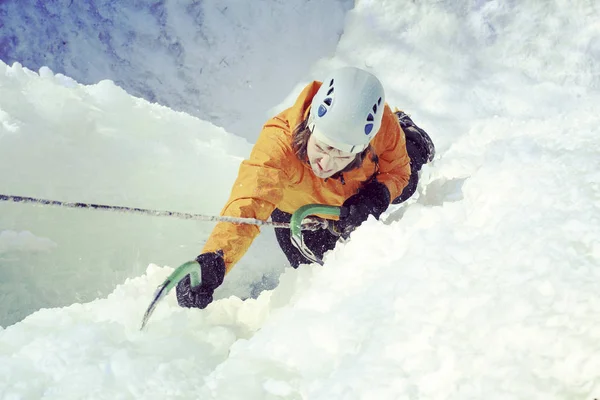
(300, 138)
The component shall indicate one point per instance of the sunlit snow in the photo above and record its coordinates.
(484, 285)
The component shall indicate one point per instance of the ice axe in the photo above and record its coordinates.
(297, 224)
(192, 268)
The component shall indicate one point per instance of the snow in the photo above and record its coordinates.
(484, 285)
(209, 58)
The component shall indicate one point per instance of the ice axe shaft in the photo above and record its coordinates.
(193, 268)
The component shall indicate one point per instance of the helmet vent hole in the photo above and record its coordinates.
(331, 83)
(327, 101)
(322, 110)
(375, 108)
(370, 117)
(368, 128)
(379, 102)
(330, 91)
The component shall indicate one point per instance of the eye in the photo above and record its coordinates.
(345, 157)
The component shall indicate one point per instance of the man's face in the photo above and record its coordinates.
(325, 160)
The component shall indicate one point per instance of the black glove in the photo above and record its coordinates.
(372, 199)
(212, 267)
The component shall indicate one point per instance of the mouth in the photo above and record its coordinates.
(322, 171)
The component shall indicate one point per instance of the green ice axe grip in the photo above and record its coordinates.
(191, 268)
(296, 226)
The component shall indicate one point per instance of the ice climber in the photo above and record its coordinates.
(340, 144)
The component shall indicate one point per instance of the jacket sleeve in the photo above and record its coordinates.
(394, 163)
(256, 192)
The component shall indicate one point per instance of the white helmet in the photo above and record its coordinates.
(347, 109)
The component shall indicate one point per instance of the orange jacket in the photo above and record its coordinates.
(274, 177)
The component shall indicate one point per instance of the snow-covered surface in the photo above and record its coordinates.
(97, 144)
(224, 61)
(485, 285)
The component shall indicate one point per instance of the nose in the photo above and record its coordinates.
(325, 162)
